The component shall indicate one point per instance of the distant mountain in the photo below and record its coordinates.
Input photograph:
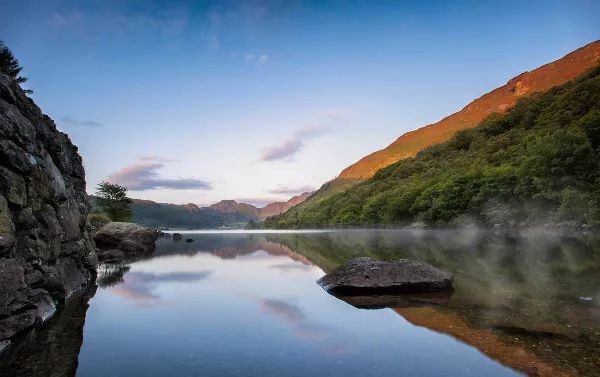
(255, 213)
(165, 215)
(498, 100)
(188, 216)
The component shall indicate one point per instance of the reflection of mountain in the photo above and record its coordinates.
(516, 298)
(227, 246)
(53, 350)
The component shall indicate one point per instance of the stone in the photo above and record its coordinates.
(111, 256)
(46, 249)
(4, 344)
(367, 274)
(134, 240)
(7, 228)
(189, 240)
(177, 237)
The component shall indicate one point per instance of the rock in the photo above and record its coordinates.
(177, 237)
(134, 240)
(367, 274)
(4, 344)
(189, 240)
(111, 256)
(46, 250)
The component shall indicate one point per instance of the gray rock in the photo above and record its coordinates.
(46, 250)
(111, 256)
(134, 240)
(4, 344)
(365, 273)
(177, 236)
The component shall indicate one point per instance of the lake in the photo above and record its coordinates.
(247, 304)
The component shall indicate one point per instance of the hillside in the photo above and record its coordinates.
(498, 100)
(538, 162)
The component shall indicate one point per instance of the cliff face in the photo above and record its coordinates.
(498, 100)
(46, 251)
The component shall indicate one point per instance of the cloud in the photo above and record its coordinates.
(257, 202)
(258, 59)
(79, 123)
(286, 190)
(290, 147)
(143, 176)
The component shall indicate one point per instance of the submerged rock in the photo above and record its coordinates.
(367, 274)
(132, 239)
(189, 240)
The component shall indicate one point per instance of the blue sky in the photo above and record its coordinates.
(192, 101)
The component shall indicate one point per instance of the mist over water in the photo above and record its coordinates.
(247, 303)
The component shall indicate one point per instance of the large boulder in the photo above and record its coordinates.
(46, 249)
(366, 274)
(134, 240)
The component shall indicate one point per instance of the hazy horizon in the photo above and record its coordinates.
(259, 101)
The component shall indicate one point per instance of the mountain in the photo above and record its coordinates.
(536, 162)
(164, 215)
(233, 207)
(498, 100)
(254, 213)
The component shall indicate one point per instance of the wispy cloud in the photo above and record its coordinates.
(143, 176)
(257, 202)
(286, 190)
(293, 145)
(259, 59)
(79, 123)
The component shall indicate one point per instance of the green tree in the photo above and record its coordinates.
(9, 65)
(113, 200)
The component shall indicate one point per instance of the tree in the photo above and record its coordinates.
(113, 200)
(9, 65)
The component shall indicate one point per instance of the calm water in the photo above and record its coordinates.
(246, 304)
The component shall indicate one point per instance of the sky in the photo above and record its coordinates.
(257, 101)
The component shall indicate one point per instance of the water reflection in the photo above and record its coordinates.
(247, 304)
(53, 350)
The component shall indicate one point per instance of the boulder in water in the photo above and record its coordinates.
(367, 274)
(134, 240)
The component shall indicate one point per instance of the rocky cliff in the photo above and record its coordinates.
(46, 252)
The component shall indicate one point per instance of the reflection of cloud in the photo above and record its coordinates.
(291, 146)
(291, 266)
(143, 176)
(294, 316)
(139, 286)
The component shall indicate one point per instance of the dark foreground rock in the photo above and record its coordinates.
(46, 250)
(132, 239)
(177, 236)
(366, 274)
(52, 350)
